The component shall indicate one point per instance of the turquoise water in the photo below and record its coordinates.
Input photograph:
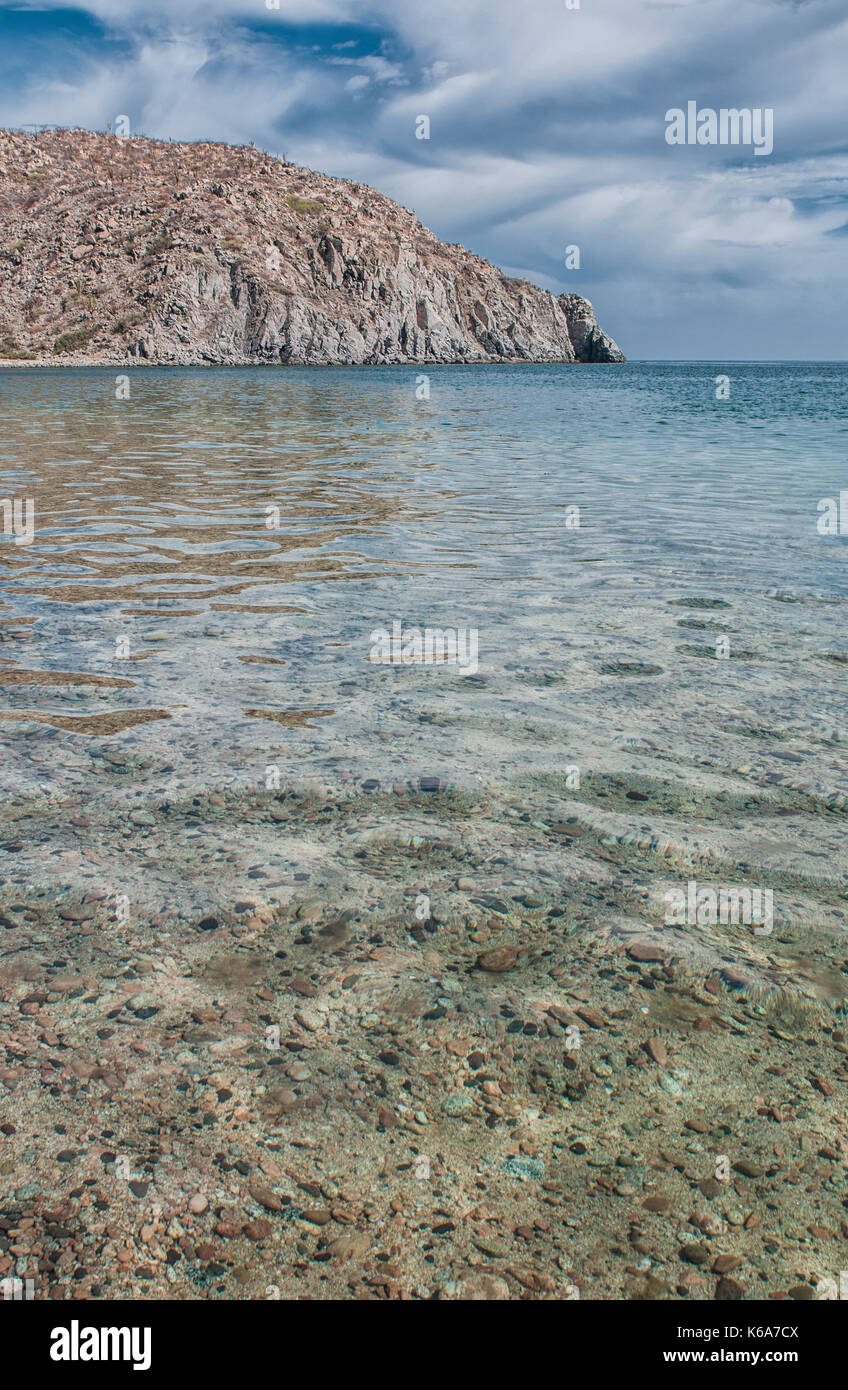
(657, 465)
(161, 641)
(455, 510)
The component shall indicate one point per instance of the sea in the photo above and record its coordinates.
(610, 598)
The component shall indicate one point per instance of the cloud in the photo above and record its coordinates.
(546, 130)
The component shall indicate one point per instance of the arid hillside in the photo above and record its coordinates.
(121, 250)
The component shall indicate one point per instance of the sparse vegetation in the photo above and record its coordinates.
(78, 338)
(79, 299)
(304, 205)
(159, 245)
(10, 350)
(127, 322)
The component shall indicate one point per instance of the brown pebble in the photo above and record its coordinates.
(645, 951)
(729, 1289)
(825, 1087)
(498, 960)
(353, 1247)
(748, 1169)
(732, 975)
(591, 1016)
(319, 1216)
(660, 1204)
(479, 1288)
(258, 1230)
(656, 1050)
(265, 1197)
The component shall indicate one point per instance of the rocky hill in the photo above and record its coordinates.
(119, 250)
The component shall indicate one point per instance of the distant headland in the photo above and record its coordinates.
(122, 250)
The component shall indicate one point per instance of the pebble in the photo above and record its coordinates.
(590, 1016)
(729, 1289)
(478, 1288)
(645, 951)
(458, 1103)
(349, 1247)
(671, 1084)
(748, 1169)
(656, 1050)
(310, 1019)
(265, 1197)
(258, 1230)
(695, 1254)
(317, 1216)
(658, 1204)
(524, 1168)
(498, 960)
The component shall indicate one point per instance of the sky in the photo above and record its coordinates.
(547, 130)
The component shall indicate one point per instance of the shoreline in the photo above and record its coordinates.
(135, 363)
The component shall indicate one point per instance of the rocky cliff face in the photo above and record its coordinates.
(120, 250)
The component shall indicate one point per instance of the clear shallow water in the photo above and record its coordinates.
(448, 512)
(146, 862)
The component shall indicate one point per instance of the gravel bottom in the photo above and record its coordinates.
(466, 1059)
